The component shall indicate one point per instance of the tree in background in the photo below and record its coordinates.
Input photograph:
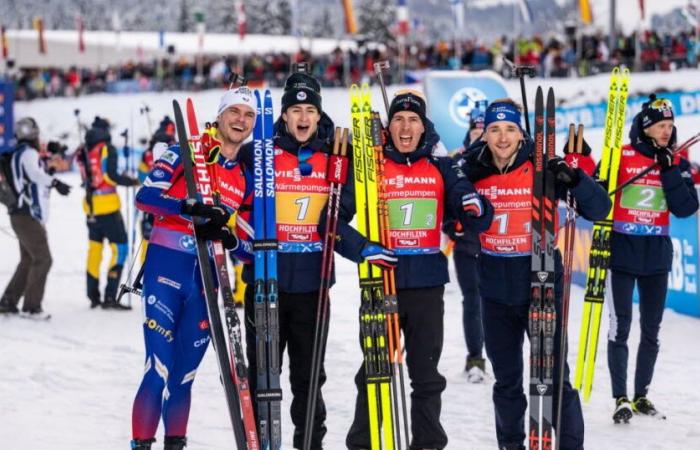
(375, 19)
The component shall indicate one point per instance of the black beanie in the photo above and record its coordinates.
(101, 123)
(301, 88)
(655, 110)
(408, 100)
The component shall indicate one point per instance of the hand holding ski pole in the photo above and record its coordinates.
(563, 172)
(212, 232)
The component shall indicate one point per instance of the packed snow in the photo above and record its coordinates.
(69, 383)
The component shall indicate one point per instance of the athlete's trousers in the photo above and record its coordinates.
(466, 266)
(176, 334)
(297, 321)
(111, 228)
(652, 300)
(421, 313)
(505, 327)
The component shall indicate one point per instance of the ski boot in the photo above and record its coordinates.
(175, 442)
(642, 405)
(112, 303)
(476, 370)
(142, 444)
(623, 410)
(8, 308)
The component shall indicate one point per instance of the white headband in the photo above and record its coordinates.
(239, 96)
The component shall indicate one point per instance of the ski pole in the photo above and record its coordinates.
(684, 146)
(337, 175)
(521, 71)
(146, 111)
(390, 299)
(569, 236)
(380, 67)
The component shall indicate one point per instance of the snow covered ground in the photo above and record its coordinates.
(69, 383)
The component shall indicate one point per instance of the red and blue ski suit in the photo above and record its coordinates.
(175, 323)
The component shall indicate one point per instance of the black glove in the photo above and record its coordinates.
(563, 172)
(131, 181)
(210, 232)
(664, 158)
(60, 186)
(216, 214)
(450, 229)
(585, 151)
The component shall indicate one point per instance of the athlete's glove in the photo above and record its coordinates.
(563, 172)
(61, 187)
(453, 229)
(375, 254)
(210, 232)
(472, 205)
(216, 214)
(664, 158)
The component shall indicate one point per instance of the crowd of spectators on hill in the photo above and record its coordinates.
(553, 57)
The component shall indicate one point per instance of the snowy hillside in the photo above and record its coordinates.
(69, 383)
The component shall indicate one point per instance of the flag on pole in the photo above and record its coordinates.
(38, 23)
(641, 8)
(3, 42)
(585, 11)
(402, 17)
(525, 10)
(240, 19)
(201, 28)
(161, 38)
(458, 13)
(350, 23)
(80, 26)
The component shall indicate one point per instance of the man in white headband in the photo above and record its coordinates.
(236, 117)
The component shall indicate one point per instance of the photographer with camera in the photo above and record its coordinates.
(31, 179)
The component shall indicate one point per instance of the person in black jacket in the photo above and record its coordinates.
(641, 250)
(303, 137)
(421, 189)
(465, 255)
(501, 165)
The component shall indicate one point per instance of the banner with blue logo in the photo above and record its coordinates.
(592, 115)
(451, 97)
(7, 98)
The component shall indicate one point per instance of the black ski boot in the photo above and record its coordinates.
(142, 444)
(8, 308)
(175, 442)
(642, 405)
(623, 410)
(112, 303)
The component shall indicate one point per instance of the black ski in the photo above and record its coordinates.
(542, 315)
(216, 328)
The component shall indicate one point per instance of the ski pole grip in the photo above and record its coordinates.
(337, 169)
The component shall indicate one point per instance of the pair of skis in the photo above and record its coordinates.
(542, 313)
(599, 258)
(202, 186)
(379, 324)
(268, 393)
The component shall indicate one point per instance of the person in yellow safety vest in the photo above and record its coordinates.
(98, 162)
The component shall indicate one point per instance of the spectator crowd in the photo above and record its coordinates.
(553, 57)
